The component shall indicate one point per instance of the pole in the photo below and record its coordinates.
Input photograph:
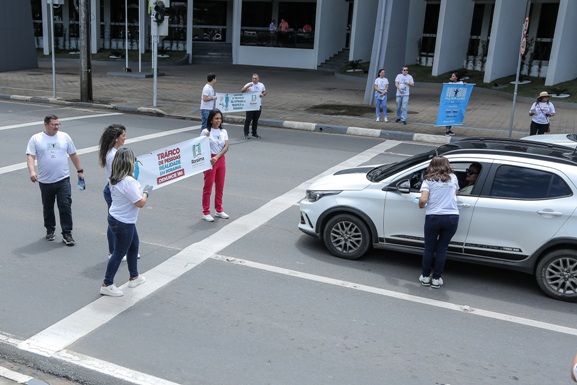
(85, 63)
(154, 33)
(140, 36)
(52, 48)
(126, 34)
(518, 71)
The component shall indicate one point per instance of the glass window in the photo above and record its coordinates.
(209, 20)
(525, 183)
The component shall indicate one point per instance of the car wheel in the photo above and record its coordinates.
(557, 275)
(346, 236)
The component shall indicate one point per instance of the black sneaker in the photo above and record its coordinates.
(398, 120)
(50, 235)
(449, 133)
(256, 136)
(67, 239)
(247, 137)
(405, 122)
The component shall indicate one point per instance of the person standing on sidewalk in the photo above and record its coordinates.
(455, 79)
(381, 87)
(207, 99)
(438, 198)
(540, 112)
(403, 82)
(218, 138)
(50, 149)
(257, 87)
(127, 198)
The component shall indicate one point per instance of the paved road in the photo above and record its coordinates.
(251, 299)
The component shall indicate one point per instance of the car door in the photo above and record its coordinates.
(519, 208)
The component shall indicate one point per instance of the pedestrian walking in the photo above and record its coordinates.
(218, 138)
(111, 140)
(208, 97)
(252, 116)
(50, 149)
(438, 198)
(403, 83)
(381, 87)
(127, 199)
(541, 111)
(455, 79)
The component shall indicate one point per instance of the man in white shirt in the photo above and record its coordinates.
(50, 149)
(253, 116)
(207, 99)
(403, 82)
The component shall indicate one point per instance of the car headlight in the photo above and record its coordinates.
(315, 195)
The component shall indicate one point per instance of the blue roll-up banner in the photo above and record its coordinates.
(453, 104)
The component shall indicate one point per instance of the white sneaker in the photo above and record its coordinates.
(378, 119)
(425, 281)
(437, 282)
(111, 290)
(135, 282)
(222, 215)
(386, 120)
(208, 218)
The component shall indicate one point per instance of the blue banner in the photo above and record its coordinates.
(453, 104)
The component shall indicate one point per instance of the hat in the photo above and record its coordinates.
(543, 95)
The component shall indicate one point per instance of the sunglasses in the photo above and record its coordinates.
(469, 172)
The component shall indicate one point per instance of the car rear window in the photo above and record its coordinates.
(527, 183)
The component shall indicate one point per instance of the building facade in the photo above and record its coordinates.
(444, 35)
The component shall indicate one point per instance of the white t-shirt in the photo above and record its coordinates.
(381, 84)
(442, 198)
(51, 154)
(207, 90)
(124, 195)
(540, 109)
(217, 139)
(402, 79)
(109, 159)
(258, 87)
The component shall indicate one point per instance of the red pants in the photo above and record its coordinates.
(214, 176)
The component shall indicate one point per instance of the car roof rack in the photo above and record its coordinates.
(517, 147)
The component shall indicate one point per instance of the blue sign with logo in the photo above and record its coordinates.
(453, 104)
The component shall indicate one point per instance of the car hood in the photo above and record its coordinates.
(349, 179)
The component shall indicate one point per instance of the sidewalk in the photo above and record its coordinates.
(291, 92)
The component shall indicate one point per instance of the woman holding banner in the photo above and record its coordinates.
(127, 198)
(218, 138)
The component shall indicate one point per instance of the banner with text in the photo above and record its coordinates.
(173, 163)
(453, 104)
(228, 102)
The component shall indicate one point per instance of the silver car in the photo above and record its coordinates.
(521, 213)
(567, 140)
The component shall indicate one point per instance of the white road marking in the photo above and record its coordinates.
(405, 297)
(88, 150)
(62, 334)
(14, 376)
(41, 122)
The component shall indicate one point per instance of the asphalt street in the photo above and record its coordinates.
(249, 300)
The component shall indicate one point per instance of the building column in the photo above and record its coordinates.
(504, 44)
(453, 34)
(235, 28)
(564, 50)
(95, 26)
(46, 31)
(363, 29)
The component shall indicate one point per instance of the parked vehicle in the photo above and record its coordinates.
(568, 140)
(521, 213)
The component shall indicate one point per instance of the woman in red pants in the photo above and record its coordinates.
(218, 138)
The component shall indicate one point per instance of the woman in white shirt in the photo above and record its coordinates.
(127, 199)
(438, 197)
(111, 140)
(540, 113)
(381, 87)
(218, 138)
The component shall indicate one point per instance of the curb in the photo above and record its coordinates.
(19, 378)
(232, 119)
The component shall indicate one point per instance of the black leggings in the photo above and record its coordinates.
(538, 129)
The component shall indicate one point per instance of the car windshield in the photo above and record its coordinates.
(379, 173)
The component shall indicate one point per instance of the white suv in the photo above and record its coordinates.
(521, 213)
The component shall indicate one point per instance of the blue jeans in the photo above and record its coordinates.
(109, 233)
(127, 243)
(380, 104)
(204, 117)
(439, 229)
(402, 105)
(61, 193)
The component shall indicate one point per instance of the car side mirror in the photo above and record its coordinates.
(404, 186)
